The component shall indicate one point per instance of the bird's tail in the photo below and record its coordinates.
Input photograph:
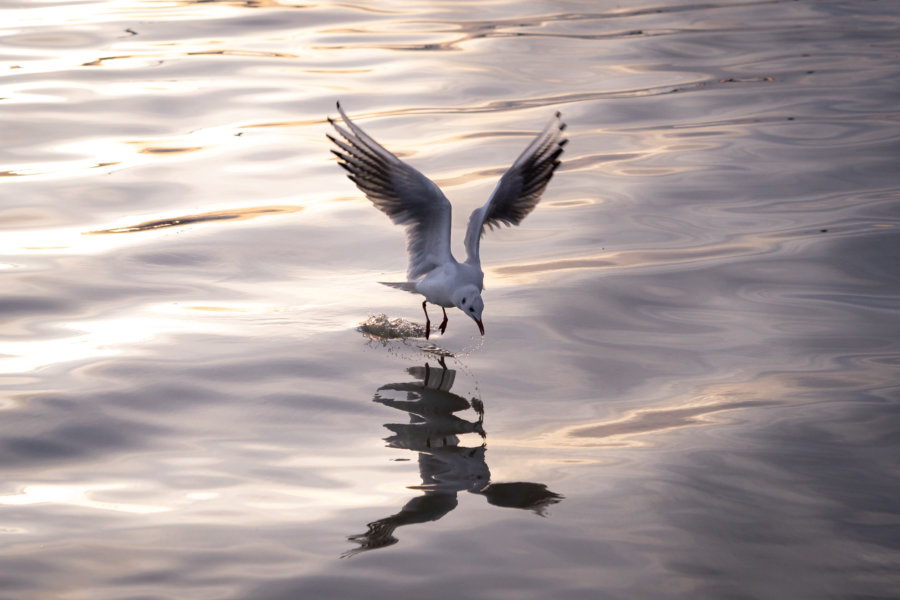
(407, 286)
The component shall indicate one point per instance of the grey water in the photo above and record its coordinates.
(689, 385)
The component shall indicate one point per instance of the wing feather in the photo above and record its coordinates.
(400, 191)
(520, 188)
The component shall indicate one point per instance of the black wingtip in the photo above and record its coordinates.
(558, 114)
(563, 142)
(338, 104)
(330, 120)
(562, 126)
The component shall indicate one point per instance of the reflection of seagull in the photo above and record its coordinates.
(411, 199)
(446, 467)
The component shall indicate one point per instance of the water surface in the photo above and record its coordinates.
(688, 386)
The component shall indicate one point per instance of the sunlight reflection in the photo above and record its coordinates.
(526, 273)
(109, 152)
(75, 495)
(219, 215)
(208, 308)
(633, 429)
(88, 242)
(109, 337)
(65, 13)
(202, 495)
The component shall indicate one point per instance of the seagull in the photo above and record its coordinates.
(410, 199)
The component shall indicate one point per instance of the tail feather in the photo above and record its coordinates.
(406, 286)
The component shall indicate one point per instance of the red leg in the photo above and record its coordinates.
(427, 320)
(443, 326)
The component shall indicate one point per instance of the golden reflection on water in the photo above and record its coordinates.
(74, 240)
(76, 495)
(103, 11)
(526, 273)
(101, 152)
(713, 404)
(219, 215)
(627, 431)
(91, 340)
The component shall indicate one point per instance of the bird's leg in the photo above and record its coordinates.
(443, 325)
(427, 320)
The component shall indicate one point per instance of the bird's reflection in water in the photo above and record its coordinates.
(445, 466)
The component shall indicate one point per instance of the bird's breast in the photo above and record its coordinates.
(438, 285)
(436, 294)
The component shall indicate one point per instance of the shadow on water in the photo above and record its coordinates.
(445, 466)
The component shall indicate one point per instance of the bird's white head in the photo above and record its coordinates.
(468, 299)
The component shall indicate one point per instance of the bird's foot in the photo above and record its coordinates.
(443, 325)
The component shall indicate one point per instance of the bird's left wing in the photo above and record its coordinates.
(520, 188)
(401, 192)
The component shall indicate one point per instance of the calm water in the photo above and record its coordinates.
(689, 383)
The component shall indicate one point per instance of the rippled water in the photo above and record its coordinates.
(689, 383)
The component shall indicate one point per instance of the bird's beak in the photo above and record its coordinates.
(480, 326)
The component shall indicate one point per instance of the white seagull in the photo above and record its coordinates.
(411, 199)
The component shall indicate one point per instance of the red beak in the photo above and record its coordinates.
(480, 326)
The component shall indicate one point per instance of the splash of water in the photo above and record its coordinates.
(382, 328)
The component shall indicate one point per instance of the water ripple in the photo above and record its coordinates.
(693, 338)
(222, 215)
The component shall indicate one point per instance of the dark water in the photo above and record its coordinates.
(689, 383)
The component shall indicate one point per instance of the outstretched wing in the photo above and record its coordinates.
(401, 192)
(520, 188)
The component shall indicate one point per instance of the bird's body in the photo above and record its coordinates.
(438, 285)
(411, 199)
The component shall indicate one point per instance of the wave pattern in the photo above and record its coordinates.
(693, 338)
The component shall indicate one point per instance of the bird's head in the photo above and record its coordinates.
(468, 299)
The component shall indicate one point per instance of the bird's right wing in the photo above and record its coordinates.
(401, 192)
